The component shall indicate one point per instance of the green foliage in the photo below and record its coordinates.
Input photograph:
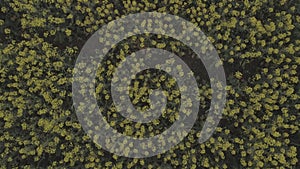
(258, 42)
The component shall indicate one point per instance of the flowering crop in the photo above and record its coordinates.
(258, 42)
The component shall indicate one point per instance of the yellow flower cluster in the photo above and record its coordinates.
(258, 42)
